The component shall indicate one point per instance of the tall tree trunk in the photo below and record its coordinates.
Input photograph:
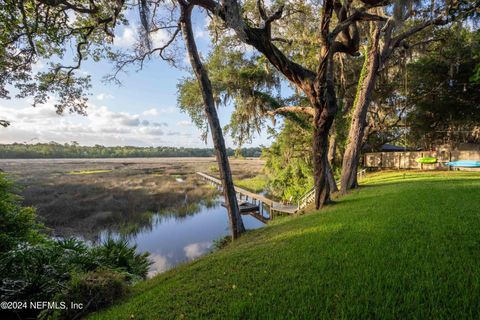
(331, 159)
(321, 127)
(332, 146)
(366, 84)
(236, 223)
(331, 179)
(325, 105)
(323, 99)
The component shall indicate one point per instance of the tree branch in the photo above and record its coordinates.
(259, 38)
(294, 109)
(396, 41)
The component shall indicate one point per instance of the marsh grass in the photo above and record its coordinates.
(405, 246)
(88, 172)
(115, 194)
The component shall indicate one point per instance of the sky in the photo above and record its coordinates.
(141, 112)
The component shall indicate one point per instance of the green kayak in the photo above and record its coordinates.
(426, 160)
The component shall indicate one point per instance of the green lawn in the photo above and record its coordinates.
(255, 184)
(405, 246)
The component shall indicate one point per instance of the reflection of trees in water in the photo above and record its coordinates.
(131, 225)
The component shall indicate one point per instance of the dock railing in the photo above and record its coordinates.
(306, 199)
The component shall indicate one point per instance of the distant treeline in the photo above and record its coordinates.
(73, 150)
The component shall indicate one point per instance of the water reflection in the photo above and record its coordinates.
(195, 250)
(176, 238)
(141, 222)
(159, 264)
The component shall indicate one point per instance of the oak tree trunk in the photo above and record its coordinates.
(359, 118)
(320, 161)
(332, 144)
(236, 223)
(323, 99)
(331, 179)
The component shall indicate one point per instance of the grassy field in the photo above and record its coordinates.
(404, 246)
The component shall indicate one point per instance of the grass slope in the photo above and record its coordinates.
(404, 246)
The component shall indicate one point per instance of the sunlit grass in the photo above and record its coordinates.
(255, 184)
(88, 172)
(405, 246)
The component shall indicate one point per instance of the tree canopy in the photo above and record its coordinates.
(54, 31)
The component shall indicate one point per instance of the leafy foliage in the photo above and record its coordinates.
(118, 254)
(93, 289)
(53, 30)
(447, 103)
(34, 267)
(289, 163)
(246, 81)
(17, 223)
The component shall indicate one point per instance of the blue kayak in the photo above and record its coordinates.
(464, 163)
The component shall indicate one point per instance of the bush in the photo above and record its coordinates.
(93, 290)
(119, 255)
(213, 169)
(37, 272)
(17, 223)
(34, 267)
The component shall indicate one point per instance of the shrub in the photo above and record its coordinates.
(119, 255)
(34, 267)
(93, 290)
(17, 223)
(37, 272)
(213, 169)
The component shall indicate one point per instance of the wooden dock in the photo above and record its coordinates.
(246, 207)
(273, 207)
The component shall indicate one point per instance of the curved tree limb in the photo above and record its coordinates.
(306, 110)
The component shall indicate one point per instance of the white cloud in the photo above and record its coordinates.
(130, 36)
(195, 250)
(159, 38)
(127, 39)
(101, 126)
(160, 111)
(151, 131)
(104, 96)
(184, 123)
(150, 112)
(168, 110)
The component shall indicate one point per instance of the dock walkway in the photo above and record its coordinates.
(273, 206)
